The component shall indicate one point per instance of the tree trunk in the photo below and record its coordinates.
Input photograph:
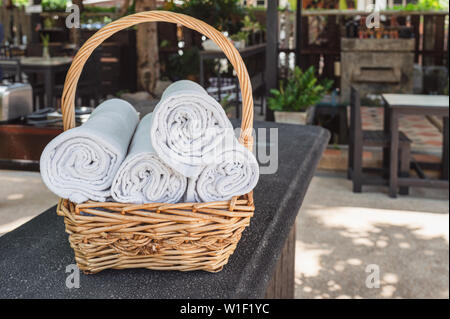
(147, 49)
(124, 8)
(75, 33)
(350, 4)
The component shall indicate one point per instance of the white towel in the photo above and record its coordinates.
(235, 172)
(80, 163)
(143, 177)
(188, 124)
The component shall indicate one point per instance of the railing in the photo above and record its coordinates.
(320, 38)
(18, 18)
(323, 29)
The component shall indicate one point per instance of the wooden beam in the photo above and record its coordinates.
(272, 52)
(282, 284)
(298, 33)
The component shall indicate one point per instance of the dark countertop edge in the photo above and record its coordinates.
(250, 275)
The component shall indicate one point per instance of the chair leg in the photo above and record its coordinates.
(357, 168)
(405, 164)
(35, 102)
(357, 187)
(350, 162)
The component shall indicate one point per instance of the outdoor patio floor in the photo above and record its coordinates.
(338, 234)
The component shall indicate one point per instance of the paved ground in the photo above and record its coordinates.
(425, 136)
(340, 234)
(22, 196)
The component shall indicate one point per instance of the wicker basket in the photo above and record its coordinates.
(184, 236)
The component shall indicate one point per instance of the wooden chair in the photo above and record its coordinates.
(358, 138)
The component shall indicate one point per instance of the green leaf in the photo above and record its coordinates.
(301, 90)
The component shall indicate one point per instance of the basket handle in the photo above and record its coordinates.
(70, 84)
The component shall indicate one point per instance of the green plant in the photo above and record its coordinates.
(164, 44)
(181, 66)
(94, 9)
(227, 105)
(20, 3)
(48, 23)
(250, 25)
(424, 5)
(240, 36)
(224, 15)
(45, 37)
(54, 5)
(299, 91)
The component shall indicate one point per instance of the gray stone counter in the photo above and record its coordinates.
(33, 258)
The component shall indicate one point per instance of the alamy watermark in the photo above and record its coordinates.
(73, 279)
(373, 19)
(73, 17)
(373, 279)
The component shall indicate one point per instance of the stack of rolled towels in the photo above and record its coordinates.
(185, 151)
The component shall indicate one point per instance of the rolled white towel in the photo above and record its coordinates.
(188, 124)
(235, 172)
(143, 177)
(80, 164)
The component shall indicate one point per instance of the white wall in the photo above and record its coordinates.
(364, 5)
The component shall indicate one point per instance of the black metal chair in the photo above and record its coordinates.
(358, 138)
(5, 51)
(11, 69)
(89, 85)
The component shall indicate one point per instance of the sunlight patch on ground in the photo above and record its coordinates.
(343, 238)
(309, 258)
(359, 221)
(15, 196)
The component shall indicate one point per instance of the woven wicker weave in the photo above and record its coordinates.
(184, 236)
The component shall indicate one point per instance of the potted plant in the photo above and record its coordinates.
(297, 95)
(253, 29)
(240, 39)
(45, 45)
(54, 5)
(184, 66)
(228, 106)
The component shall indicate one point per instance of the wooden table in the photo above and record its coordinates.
(48, 67)
(402, 104)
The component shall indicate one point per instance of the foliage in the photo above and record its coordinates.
(94, 9)
(240, 36)
(228, 105)
(424, 5)
(45, 37)
(250, 25)
(181, 66)
(300, 91)
(19, 3)
(221, 14)
(54, 5)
